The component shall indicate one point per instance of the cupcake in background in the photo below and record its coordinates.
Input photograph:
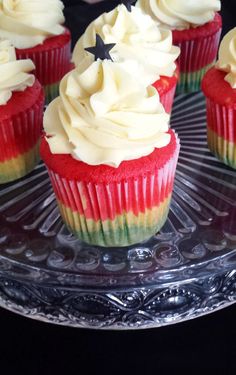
(136, 37)
(35, 29)
(196, 27)
(21, 115)
(112, 176)
(219, 87)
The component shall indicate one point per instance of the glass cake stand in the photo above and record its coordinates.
(185, 271)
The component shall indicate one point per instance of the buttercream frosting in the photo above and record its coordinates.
(13, 73)
(180, 14)
(27, 23)
(105, 116)
(227, 57)
(136, 37)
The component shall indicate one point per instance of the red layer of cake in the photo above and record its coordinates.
(21, 101)
(221, 120)
(217, 89)
(198, 45)
(51, 58)
(21, 122)
(199, 32)
(102, 201)
(77, 170)
(165, 84)
(135, 187)
(221, 105)
(166, 88)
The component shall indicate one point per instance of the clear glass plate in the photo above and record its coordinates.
(186, 270)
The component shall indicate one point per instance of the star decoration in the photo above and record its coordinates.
(127, 3)
(101, 50)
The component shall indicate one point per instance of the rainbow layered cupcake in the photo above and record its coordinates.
(35, 28)
(219, 87)
(21, 115)
(136, 37)
(109, 206)
(196, 27)
(112, 176)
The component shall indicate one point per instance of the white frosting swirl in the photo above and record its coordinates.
(137, 37)
(180, 14)
(227, 57)
(105, 116)
(27, 23)
(13, 73)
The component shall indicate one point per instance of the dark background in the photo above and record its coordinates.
(205, 345)
(79, 14)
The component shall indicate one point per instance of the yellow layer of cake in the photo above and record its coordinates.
(19, 166)
(124, 230)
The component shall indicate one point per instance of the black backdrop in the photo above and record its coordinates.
(206, 344)
(79, 14)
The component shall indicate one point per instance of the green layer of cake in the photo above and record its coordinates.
(222, 148)
(191, 81)
(51, 92)
(124, 230)
(19, 166)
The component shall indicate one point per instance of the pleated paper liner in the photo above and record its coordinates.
(191, 81)
(116, 213)
(52, 91)
(52, 61)
(199, 49)
(221, 132)
(167, 99)
(166, 87)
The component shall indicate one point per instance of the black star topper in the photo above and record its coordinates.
(101, 50)
(127, 3)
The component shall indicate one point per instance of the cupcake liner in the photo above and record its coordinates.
(117, 213)
(19, 138)
(52, 91)
(167, 99)
(51, 64)
(225, 151)
(197, 53)
(191, 81)
(166, 87)
(221, 132)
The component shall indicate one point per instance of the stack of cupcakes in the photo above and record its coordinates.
(112, 176)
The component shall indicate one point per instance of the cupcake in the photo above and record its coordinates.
(136, 37)
(219, 87)
(112, 176)
(35, 28)
(21, 115)
(196, 27)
